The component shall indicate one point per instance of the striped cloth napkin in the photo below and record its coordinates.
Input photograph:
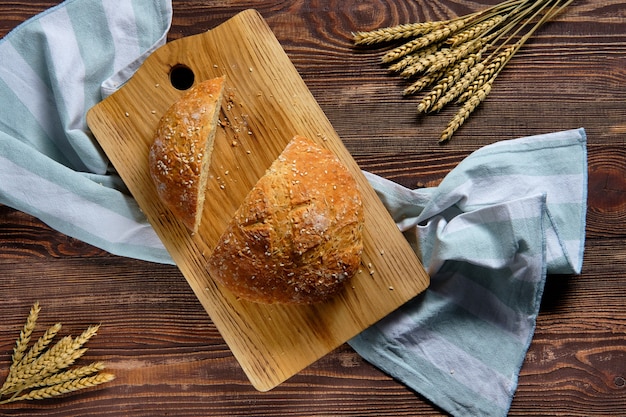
(53, 68)
(499, 222)
(488, 234)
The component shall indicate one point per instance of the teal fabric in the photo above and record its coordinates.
(53, 68)
(488, 234)
(506, 216)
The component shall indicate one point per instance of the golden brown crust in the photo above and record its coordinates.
(297, 237)
(180, 154)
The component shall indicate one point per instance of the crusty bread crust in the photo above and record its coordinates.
(180, 154)
(297, 237)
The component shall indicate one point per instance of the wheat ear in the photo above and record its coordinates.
(394, 33)
(453, 55)
(423, 82)
(58, 357)
(40, 367)
(459, 87)
(475, 31)
(450, 77)
(468, 107)
(413, 58)
(41, 344)
(63, 388)
(423, 41)
(71, 352)
(62, 377)
(22, 344)
(490, 70)
(31, 372)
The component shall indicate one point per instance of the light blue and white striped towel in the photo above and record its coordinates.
(53, 68)
(506, 216)
(488, 234)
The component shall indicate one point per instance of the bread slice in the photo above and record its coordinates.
(297, 237)
(181, 152)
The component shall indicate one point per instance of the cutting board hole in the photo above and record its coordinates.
(181, 77)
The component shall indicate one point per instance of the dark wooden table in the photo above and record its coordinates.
(168, 356)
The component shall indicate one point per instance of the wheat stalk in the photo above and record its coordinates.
(468, 107)
(394, 33)
(459, 87)
(449, 52)
(413, 58)
(488, 72)
(41, 366)
(423, 82)
(22, 342)
(452, 56)
(37, 368)
(69, 375)
(422, 64)
(63, 388)
(475, 31)
(481, 87)
(425, 40)
(449, 79)
(41, 344)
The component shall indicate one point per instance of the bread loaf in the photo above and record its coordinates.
(297, 237)
(181, 152)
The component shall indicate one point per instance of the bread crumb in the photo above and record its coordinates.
(126, 114)
(390, 288)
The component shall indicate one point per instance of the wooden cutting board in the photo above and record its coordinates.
(265, 105)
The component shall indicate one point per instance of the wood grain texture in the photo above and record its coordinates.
(171, 361)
